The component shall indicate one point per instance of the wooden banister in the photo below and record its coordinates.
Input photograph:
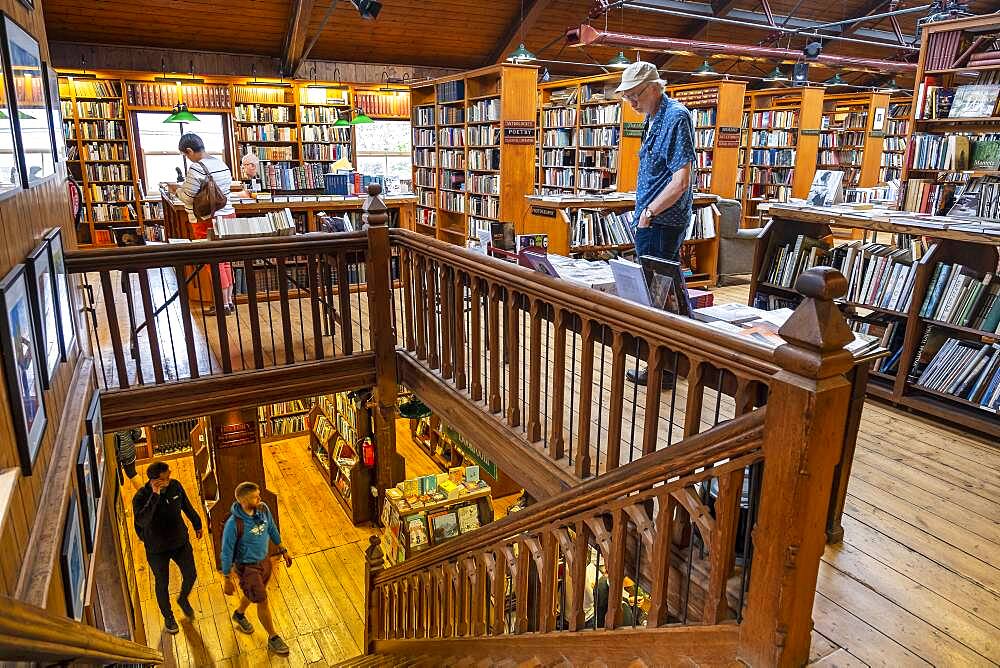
(28, 633)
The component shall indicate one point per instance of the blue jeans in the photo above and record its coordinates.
(662, 241)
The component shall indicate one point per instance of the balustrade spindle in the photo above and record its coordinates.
(406, 277)
(616, 568)
(285, 311)
(586, 400)
(433, 342)
(493, 335)
(695, 396)
(113, 330)
(420, 307)
(458, 342)
(557, 442)
(533, 418)
(447, 309)
(476, 333)
(344, 301)
(617, 403)
(312, 266)
(152, 335)
(513, 348)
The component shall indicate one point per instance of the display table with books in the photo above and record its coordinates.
(927, 286)
(432, 509)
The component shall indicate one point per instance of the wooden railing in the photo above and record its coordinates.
(31, 634)
(156, 314)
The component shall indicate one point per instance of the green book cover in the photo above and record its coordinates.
(986, 154)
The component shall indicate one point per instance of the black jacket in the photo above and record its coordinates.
(158, 518)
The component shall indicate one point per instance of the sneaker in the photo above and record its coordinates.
(242, 623)
(185, 607)
(641, 378)
(229, 309)
(277, 645)
(170, 625)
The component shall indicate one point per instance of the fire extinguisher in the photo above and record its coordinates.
(368, 452)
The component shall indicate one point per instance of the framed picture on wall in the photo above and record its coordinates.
(25, 80)
(73, 562)
(55, 113)
(30, 4)
(67, 325)
(10, 165)
(22, 366)
(85, 487)
(41, 278)
(95, 430)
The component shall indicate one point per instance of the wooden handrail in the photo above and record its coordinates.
(29, 633)
(728, 440)
(649, 324)
(168, 255)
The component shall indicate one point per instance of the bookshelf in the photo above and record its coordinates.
(286, 419)
(852, 135)
(779, 144)
(954, 116)
(339, 424)
(892, 294)
(588, 137)
(265, 123)
(468, 130)
(716, 112)
(897, 132)
(99, 139)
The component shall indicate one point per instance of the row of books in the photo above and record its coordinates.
(112, 193)
(325, 96)
(105, 151)
(887, 192)
(424, 116)
(450, 115)
(928, 196)
(597, 227)
(152, 210)
(877, 274)
(424, 137)
(770, 176)
(268, 281)
(381, 104)
(271, 224)
(452, 179)
(329, 152)
(969, 370)
(253, 113)
(702, 223)
(558, 137)
(148, 94)
(452, 159)
(96, 88)
(454, 202)
(961, 296)
(484, 205)
(482, 111)
(772, 138)
(841, 139)
(841, 121)
(285, 176)
(773, 157)
(478, 225)
(596, 179)
(99, 110)
(320, 115)
(607, 136)
(325, 133)
(451, 91)
(787, 260)
(931, 151)
(486, 184)
(703, 118)
(266, 132)
(425, 157)
(703, 159)
(604, 158)
(484, 158)
(601, 114)
(266, 153)
(483, 135)
(109, 172)
(978, 198)
(426, 197)
(704, 138)
(844, 157)
(786, 120)
(427, 217)
(559, 117)
(558, 157)
(109, 213)
(967, 101)
(262, 94)
(555, 176)
(287, 425)
(451, 137)
(98, 130)
(890, 331)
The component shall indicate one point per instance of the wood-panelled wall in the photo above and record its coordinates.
(67, 55)
(24, 217)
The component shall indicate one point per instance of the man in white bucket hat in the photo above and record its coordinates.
(663, 193)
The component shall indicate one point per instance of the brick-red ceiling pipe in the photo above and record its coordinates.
(586, 35)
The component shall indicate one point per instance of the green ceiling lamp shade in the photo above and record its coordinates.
(706, 70)
(835, 80)
(776, 75)
(891, 88)
(620, 61)
(181, 115)
(360, 118)
(520, 55)
(341, 122)
(414, 409)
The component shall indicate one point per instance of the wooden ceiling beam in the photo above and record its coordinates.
(517, 28)
(695, 29)
(295, 38)
(873, 7)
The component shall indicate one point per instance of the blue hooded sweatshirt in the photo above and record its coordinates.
(257, 529)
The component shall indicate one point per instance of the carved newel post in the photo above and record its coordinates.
(803, 434)
(388, 464)
(373, 622)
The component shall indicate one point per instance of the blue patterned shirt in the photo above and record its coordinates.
(667, 146)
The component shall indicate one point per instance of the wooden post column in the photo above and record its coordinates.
(373, 608)
(389, 468)
(803, 437)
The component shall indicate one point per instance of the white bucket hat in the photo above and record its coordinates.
(638, 74)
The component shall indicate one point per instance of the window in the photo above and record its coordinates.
(157, 143)
(384, 149)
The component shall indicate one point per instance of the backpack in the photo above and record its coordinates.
(240, 528)
(210, 198)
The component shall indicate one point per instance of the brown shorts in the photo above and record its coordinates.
(254, 579)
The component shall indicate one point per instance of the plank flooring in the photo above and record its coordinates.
(915, 582)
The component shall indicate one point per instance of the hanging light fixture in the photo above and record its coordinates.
(181, 113)
(706, 70)
(890, 88)
(620, 61)
(360, 118)
(521, 53)
(84, 74)
(776, 75)
(341, 121)
(835, 80)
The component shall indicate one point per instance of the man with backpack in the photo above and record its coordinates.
(245, 561)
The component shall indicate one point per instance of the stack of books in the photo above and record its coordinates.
(960, 296)
(272, 224)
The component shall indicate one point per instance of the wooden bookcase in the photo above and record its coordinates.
(586, 132)
(849, 140)
(949, 77)
(284, 420)
(461, 150)
(784, 124)
(265, 124)
(716, 109)
(978, 251)
(231, 97)
(321, 142)
(349, 424)
(897, 132)
(95, 123)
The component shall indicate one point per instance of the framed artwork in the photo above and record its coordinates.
(30, 4)
(73, 562)
(444, 526)
(22, 367)
(55, 113)
(67, 325)
(32, 120)
(95, 431)
(41, 278)
(85, 487)
(10, 165)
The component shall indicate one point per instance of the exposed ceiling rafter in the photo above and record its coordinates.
(534, 9)
(293, 50)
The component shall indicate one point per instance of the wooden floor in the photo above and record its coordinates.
(916, 581)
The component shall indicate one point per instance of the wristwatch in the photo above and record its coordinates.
(648, 213)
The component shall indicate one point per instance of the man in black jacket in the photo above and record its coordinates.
(157, 508)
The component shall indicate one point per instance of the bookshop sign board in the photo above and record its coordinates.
(519, 132)
(728, 137)
(632, 129)
(543, 211)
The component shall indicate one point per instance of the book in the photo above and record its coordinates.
(826, 188)
(986, 154)
(468, 518)
(974, 101)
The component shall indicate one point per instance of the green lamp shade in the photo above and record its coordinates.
(414, 409)
(619, 61)
(181, 115)
(341, 122)
(835, 80)
(520, 54)
(706, 70)
(361, 118)
(890, 88)
(776, 75)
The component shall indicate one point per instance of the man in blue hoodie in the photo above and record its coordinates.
(245, 562)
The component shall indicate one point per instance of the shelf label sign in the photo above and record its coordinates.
(519, 132)
(545, 212)
(632, 129)
(728, 137)
(809, 133)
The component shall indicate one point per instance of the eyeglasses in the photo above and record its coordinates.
(633, 95)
